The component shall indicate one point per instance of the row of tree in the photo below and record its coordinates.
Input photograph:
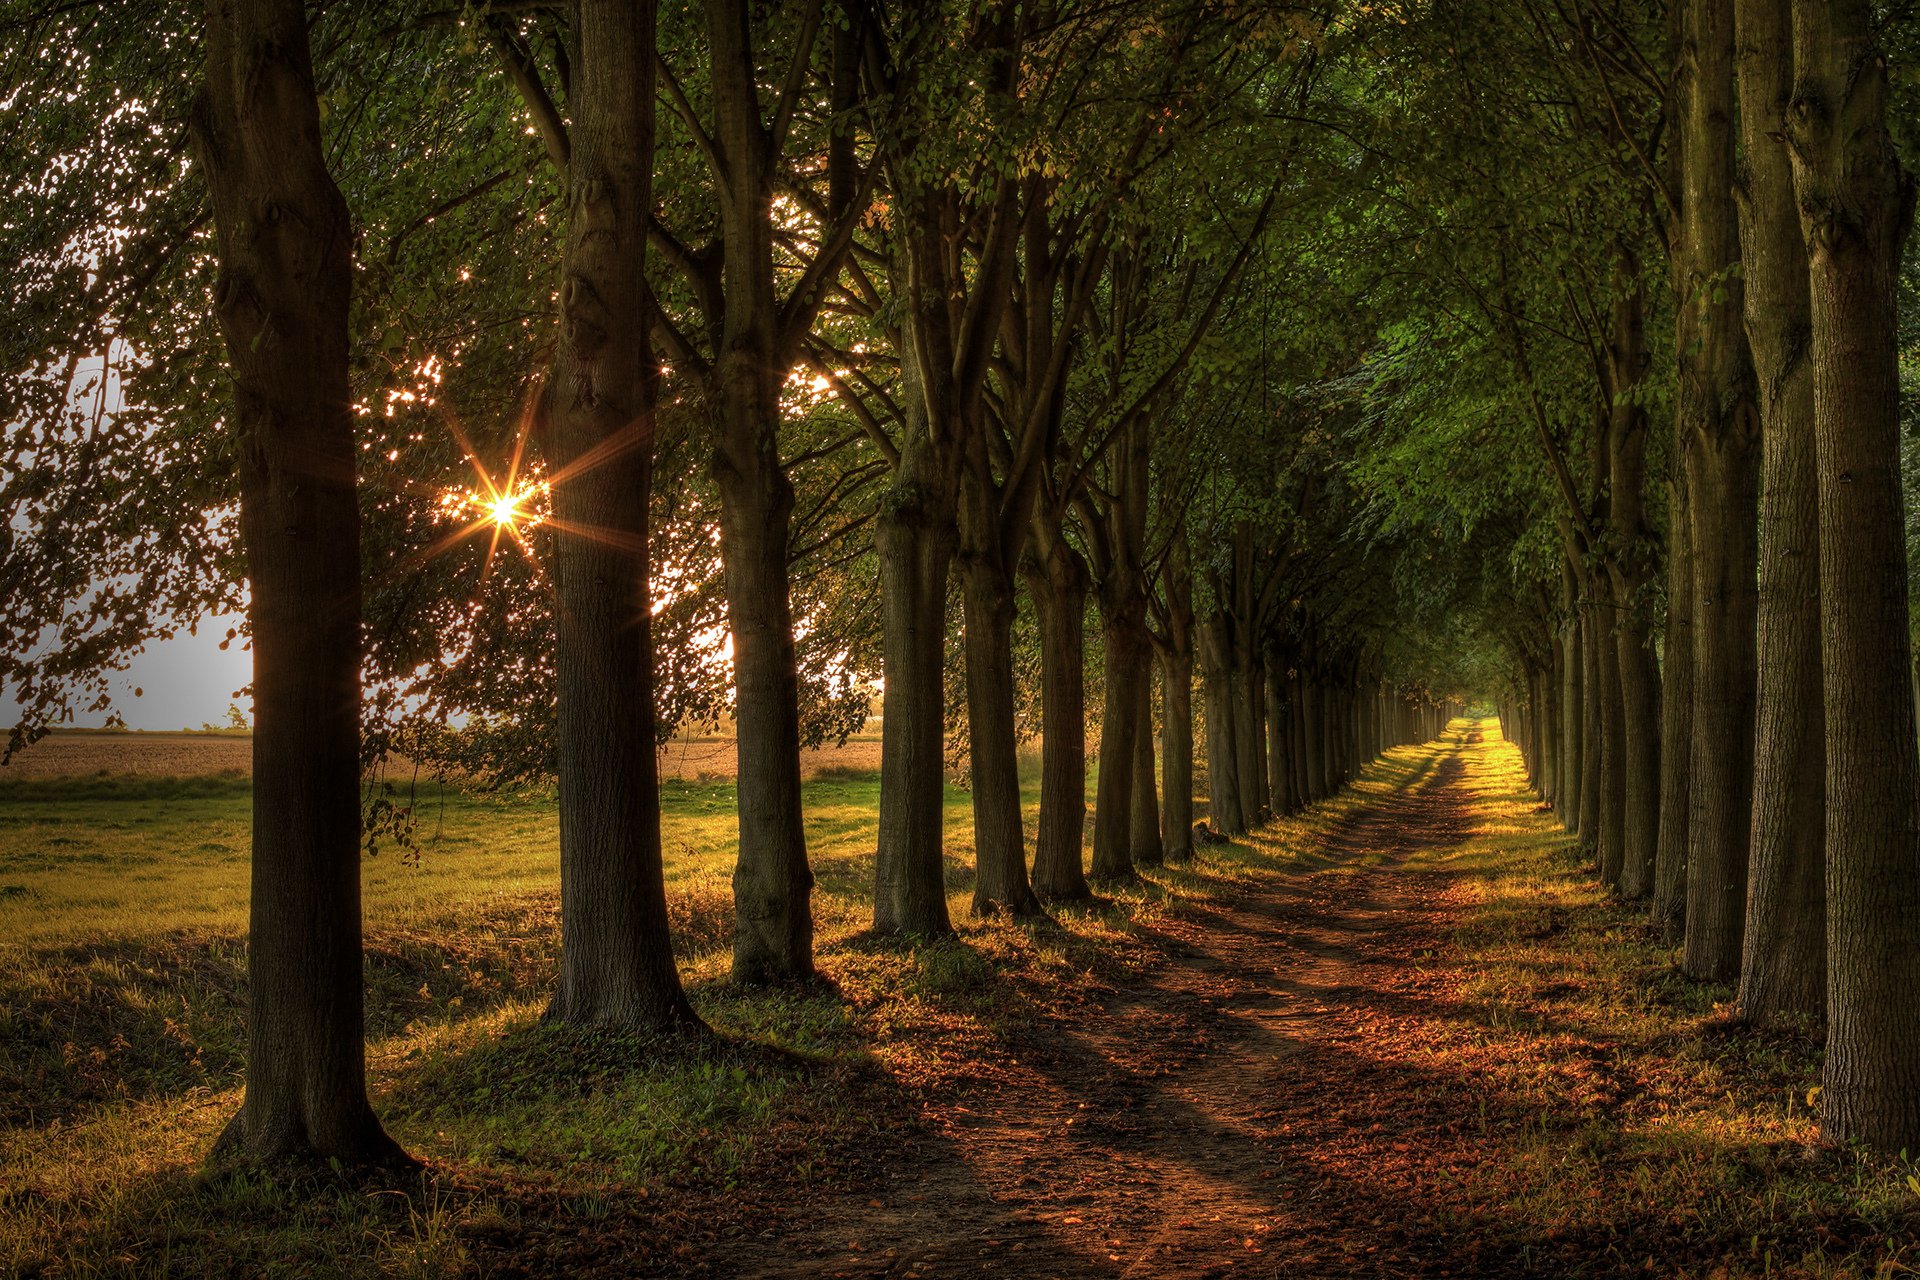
(1039, 358)
(954, 301)
(1741, 755)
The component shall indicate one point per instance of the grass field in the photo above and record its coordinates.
(122, 995)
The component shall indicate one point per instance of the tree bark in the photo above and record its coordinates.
(284, 247)
(1176, 683)
(1176, 756)
(1676, 723)
(1573, 743)
(1631, 569)
(772, 883)
(1278, 768)
(1592, 792)
(596, 424)
(999, 837)
(1310, 711)
(1714, 403)
(1059, 589)
(1126, 666)
(1783, 970)
(1144, 842)
(1613, 743)
(915, 541)
(1223, 777)
(1856, 206)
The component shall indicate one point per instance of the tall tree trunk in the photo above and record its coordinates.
(1592, 792)
(1310, 708)
(1127, 661)
(1676, 723)
(1223, 778)
(1279, 771)
(1297, 736)
(616, 963)
(1176, 756)
(1176, 684)
(1632, 567)
(1856, 208)
(1613, 743)
(1783, 970)
(284, 247)
(772, 883)
(915, 540)
(1249, 734)
(1144, 841)
(999, 838)
(773, 918)
(1573, 744)
(1714, 402)
(1059, 589)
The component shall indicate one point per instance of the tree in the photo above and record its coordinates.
(1856, 208)
(284, 243)
(1783, 965)
(595, 424)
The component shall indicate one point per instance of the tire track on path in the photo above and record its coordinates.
(1145, 1140)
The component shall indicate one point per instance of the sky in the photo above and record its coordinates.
(185, 682)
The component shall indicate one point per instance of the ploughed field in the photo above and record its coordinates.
(1399, 1035)
(191, 755)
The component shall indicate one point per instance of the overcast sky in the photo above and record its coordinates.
(185, 682)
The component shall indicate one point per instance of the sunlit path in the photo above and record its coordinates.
(1241, 1112)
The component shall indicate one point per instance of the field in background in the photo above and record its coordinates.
(189, 754)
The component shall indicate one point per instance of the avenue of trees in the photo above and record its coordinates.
(1216, 393)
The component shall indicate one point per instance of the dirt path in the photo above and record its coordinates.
(1221, 1119)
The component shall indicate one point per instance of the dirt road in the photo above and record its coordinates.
(1229, 1118)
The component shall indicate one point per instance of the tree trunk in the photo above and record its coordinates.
(1176, 684)
(1631, 569)
(1297, 737)
(1223, 778)
(284, 246)
(1613, 742)
(773, 918)
(1573, 743)
(1722, 494)
(1592, 792)
(1144, 842)
(1059, 589)
(1714, 404)
(1676, 724)
(1126, 668)
(616, 963)
(1176, 756)
(1783, 970)
(915, 540)
(999, 838)
(1310, 707)
(1278, 769)
(1856, 209)
(1249, 735)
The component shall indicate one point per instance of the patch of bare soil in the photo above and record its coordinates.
(700, 759)
(1232, 1116)
(147, 755)
(192, 755)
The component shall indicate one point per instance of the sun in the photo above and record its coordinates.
(507, 510)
